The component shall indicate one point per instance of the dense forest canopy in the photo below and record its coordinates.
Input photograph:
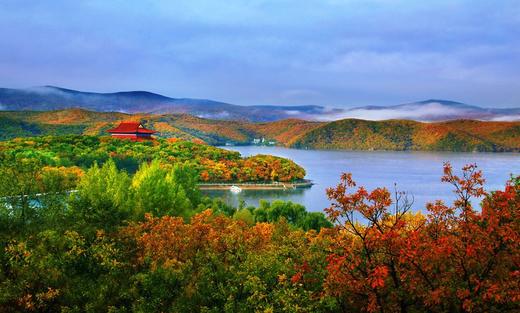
(150, 243)
(212, 164)
(97, 224)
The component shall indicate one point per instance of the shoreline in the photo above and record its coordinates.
(257, 186)
(507, 151)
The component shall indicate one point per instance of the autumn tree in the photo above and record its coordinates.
(215, 263)
(364, 269)
(467, 260)
(456, 259)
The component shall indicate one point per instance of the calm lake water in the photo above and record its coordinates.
(417, 173)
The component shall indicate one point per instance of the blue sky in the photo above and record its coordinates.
(326, 52)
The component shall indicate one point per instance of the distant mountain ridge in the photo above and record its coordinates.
(47, 98)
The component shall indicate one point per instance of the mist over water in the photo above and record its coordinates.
(417, 173)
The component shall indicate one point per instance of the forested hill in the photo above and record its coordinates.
(460, 135)
(183, 126)
(210, 164)
(350, 134)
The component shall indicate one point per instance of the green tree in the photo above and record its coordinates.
(187, 176)
(18, 193)
(294, 213)
(315, 220)
(245, 215)
(103, 198)
(163, 191)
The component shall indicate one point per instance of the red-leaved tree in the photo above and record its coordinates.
(456, 259)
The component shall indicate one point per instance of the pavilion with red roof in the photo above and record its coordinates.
(132, 130)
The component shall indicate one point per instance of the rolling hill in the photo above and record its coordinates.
(184, 126)
(349, 134)
(459, 135)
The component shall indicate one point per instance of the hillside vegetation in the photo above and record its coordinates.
(461, 135)
(150, 243)
(210, 163)
(181, 126)
(349, 134)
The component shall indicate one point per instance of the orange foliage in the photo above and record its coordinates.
(456, 259)
(170, 242)
(284, 131)
(78, 116)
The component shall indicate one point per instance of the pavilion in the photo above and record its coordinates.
(131, 130)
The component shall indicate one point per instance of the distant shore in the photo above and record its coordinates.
(257, 186)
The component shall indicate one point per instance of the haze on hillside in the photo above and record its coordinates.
(47, 98)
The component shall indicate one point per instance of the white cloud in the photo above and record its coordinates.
(412, 112)
(433, 111)
(219, 115)
(506, 118)
(293, 112)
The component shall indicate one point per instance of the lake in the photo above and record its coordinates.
(417, 173)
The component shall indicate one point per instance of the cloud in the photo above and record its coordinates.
(220, 115)
(293, 112)
(425, 112)
(506, 118)
(338, 53)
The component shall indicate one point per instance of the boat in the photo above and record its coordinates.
(235, 189)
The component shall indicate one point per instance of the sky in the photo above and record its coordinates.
(325, 52)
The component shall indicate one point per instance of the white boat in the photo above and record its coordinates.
(235, 189)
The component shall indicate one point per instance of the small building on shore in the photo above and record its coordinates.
(132, 130)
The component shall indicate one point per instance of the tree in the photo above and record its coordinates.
(456, 259)
(245, 215)
(364, 269)
(163, 191)
(31, 195)
(218, 264)
(103, 199)
(18, 192)
(464, 260)
(315, 220)
(294, 213)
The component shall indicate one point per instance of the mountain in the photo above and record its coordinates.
(47, 98)
(432, 110)
(349, 134)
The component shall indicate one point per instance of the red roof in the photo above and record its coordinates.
(131, 128)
